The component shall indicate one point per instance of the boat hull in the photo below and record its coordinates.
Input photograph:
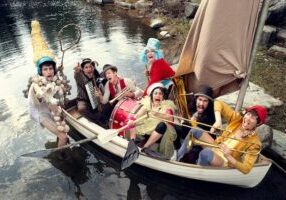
(118, 145)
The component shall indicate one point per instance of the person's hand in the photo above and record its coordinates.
(195, 116)
(77, 68)
(129, 94)
(131, 123)
(147, 73)
(225, 150)
(216, 125)
(97, 93)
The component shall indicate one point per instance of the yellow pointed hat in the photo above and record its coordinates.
(41, 52)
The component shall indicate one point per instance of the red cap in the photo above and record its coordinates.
(260, 111)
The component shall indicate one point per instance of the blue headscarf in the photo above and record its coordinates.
(154, 45)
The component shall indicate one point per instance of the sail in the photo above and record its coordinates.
(218, 47)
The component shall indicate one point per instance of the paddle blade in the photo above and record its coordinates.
(131, 155)
(108, 135)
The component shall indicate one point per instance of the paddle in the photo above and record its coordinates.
(103, 138)
(111, 133)
(132, 154)
(45, 152)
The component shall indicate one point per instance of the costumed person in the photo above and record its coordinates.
(48, 89)
(86, 77)
(201, 109)
(157, 69)
(239, 135)
(116, 87)
(155, 127)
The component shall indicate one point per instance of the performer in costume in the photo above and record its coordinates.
(157, 68)
(86, 76)
(155, 127)
(48, 89)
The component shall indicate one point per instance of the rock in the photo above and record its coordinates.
(279, 143)
(265, 134)
(165, 34)
(172, 4)
(156, 23)
(170, 29)
(276, 12)
(281, 37)
(268, 35)
(125, 5)
(190, 9)
(254, 95)
(142, 4)
(277, 51)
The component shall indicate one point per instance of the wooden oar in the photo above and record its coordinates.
(45, 152)
(111, 133)
(104, 137)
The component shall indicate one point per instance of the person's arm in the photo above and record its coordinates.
(131, 120)
(225, 111)
(218, 122)
(131, 85)
(105, 97)
(248, 160)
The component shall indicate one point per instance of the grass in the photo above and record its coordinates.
(270, 73)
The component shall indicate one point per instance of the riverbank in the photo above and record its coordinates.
(268, 72)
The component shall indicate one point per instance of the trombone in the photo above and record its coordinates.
(182, 118)
(194, 141)
(198, 141)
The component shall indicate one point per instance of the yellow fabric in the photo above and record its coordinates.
(166, 146)
(40, 47)
(181, 99)
(250, 143)
(150, 124)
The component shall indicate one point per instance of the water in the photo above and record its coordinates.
(107, 37)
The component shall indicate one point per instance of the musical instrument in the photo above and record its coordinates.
(120, 95)
(91, 96)
(122, 110)
(194, 141)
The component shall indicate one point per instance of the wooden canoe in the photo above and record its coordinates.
(118, 145)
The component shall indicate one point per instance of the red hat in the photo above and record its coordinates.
(260, 111)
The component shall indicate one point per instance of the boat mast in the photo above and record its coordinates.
(259, 29)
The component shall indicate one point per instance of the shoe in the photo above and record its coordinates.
(51, 145)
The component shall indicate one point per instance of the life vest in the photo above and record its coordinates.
(112, 89)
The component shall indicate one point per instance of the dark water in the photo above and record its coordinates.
(108, 37)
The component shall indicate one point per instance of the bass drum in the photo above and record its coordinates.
(124, 109)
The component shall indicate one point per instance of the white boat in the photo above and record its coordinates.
(117, 146)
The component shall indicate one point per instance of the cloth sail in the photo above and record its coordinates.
(218, 47)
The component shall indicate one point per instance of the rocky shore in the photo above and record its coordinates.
(172, 20)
